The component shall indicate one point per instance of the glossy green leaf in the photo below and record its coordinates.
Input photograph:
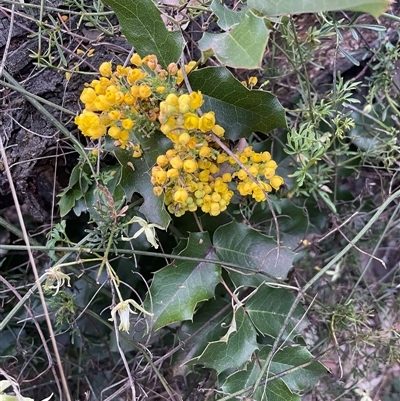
(273, 7)
(288, 358)
(226, 17)
(268, 309)
(238, 243)
(235, 348)
(145, 30)
(211, 319)
(239, 110)
(135, 177)
(243, 46)
(179, 287)
(275, 390)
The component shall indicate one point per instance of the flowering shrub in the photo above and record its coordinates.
(199, 171)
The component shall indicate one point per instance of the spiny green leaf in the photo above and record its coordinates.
(145, 30)
(275, 390)
(226, 17)
(213, 326)
(241, 47)
(239, 110)
(273, 7)
(268, 309)
(237, 243)
(233, 351)
(178, 288)
(286, 358)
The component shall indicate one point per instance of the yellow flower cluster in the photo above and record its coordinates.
(196, 173)
(124, 103)
(260, 166)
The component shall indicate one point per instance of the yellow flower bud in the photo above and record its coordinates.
(276, 181)
(191, 121)
(190, 166)
(204, 175)
(214, 209)
(162, 160)
(144, 91)
(172, 68)
(207, 121)
(266, 157)
(269, 172)
(127, 123)
(136, 60)
(180, 195)
(172, 99)
(176, 162)
(88, 95)
(227, 177)
(114, 132)
(253, 81)
(241, 174)
(214, 169)
(205, 151)
(105, 69)
(157, 191)
(196, 100)
(114, 115)
(218, 130)
(184, 138)
(135, 75)
(160, 176)
(172, 173)
(150, 61)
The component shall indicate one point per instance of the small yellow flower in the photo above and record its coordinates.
(136, 60)
(190, 166)
(88, 95)
(276, 181)
(176, 162)
(207, 121)
(190, 121)
(196, 100)
(218, 130)
(180, 195)
(105, 69)
(253, 81)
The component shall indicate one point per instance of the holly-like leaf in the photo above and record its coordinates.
(226, 18)
(212, 319)
(273, 7)
(275, 390)
(282, 389)
(179, 287)
(145, 30)
(243, 46)
(239, 110)
(235, 348)
(268, 309)
(135, 177)
(288, 358)
(237, 243)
